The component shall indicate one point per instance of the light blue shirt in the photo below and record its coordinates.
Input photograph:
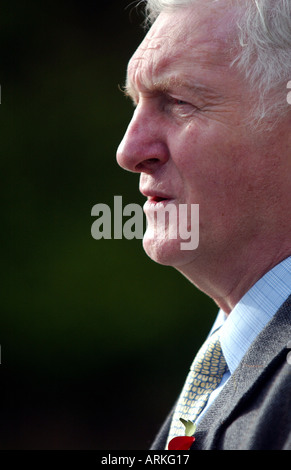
(248, 318)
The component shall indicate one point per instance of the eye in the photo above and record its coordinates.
(179, 102)
(180, 107)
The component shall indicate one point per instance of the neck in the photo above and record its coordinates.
(226, 282)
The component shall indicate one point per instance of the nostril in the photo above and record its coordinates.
(149, 162)
(152, 160)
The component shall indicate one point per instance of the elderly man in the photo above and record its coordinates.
(212, 126)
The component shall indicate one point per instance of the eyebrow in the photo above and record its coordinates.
(168, 85)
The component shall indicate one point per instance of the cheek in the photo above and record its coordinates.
(216, 171)
(204, 162)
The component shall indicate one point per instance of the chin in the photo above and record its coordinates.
(166, 251)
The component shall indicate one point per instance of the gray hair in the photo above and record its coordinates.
(264, 34)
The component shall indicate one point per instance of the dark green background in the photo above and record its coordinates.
(95, 337)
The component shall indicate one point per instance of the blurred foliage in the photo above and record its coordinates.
(91, 331)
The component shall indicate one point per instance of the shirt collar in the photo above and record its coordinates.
(252, 313)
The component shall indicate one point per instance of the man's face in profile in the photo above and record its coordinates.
(189, 137)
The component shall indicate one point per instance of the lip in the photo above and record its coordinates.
(156, 199)
(156, 196)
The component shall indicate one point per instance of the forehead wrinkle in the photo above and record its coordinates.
(161, 63)
(157, 54)
(166, 83)
(156, 74)
(148, 62)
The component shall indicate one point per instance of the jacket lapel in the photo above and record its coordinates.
(258, 361)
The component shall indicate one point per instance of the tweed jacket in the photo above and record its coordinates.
(253, 410)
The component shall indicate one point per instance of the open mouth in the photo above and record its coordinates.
(158, 199)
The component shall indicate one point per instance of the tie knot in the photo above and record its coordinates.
(210, 360)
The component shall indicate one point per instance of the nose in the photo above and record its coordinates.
(143, 147)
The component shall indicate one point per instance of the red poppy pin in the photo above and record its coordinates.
(183, 442)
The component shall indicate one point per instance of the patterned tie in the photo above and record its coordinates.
(205, 375)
